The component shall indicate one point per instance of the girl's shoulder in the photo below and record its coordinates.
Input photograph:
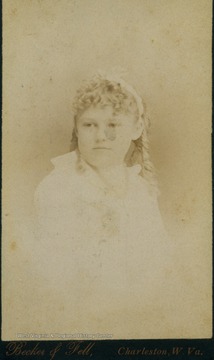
(63, 176)
(64, 162)
(140, 185)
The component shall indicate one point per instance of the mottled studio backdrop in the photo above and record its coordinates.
(49, 47)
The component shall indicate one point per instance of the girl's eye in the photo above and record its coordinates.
(114, 125)
(88, 125)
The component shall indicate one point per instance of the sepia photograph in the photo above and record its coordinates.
(107, 181)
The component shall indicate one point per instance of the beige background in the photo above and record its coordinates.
(49, 46)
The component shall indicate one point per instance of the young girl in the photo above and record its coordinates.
(100, 231)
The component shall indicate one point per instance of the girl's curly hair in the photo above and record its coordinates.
(103, 92)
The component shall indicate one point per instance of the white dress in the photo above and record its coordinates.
(99, 248)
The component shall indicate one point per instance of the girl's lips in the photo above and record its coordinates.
(101, 148)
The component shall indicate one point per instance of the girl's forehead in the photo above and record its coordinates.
(108, 111)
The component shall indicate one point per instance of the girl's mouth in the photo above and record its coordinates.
(101, 148)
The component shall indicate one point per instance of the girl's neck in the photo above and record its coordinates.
(115, 178)
(114, 169)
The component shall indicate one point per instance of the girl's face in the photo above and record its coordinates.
(104, 137)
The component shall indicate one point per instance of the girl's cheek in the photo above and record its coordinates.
(110, 134)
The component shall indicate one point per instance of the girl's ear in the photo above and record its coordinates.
(74, 140)
(75, 131)
(138, 129)
(75, 126)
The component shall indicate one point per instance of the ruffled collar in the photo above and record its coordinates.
(130, 173)
(71, 163)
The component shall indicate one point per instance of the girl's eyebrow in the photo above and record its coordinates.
(113, 120)
(88, 119)
(110, 119)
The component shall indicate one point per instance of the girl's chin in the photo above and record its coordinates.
(104, 163)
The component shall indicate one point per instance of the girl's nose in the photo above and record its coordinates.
(101, 134)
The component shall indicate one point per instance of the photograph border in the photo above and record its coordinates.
(110, 349)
